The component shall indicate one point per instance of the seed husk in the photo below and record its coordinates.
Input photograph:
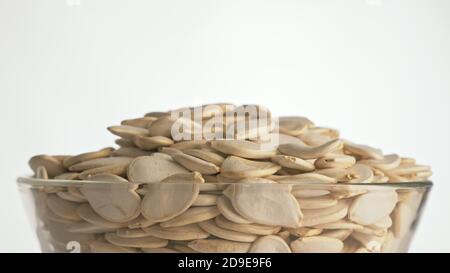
(340, 234)
(219, 246)
(237, 168)
(293, 163)
(152, 169)
(373, 206)
(205, 200)
(314, 217)
(306, 152)
(147, 143)
(226, 209)
(211, 227)
(139, 122)
(144, 242)
(69, 197)
(363, 151)
(100, 162)
(243, 148)
(195, 164)
(335, 161)
(317, 244)
(130, 152)
(128, 132)
(52, 165)
(89, 215)
(191, 216)
(317, 202)
(389, 162)
(294, 126)
(72, 160)
(246, 228)
(63, 208)
(270, 244)
(182, 233)
(206, 155)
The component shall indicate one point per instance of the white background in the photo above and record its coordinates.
(377, 70)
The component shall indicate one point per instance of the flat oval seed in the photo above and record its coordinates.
(140, 222)
(72, 160)
(118, 170)
(315, 139)
(130, 152)
(152, 169)
(317, 244)
(89, 215)
(183, 233)
(298, 191)
(360, 174)
(314, 217)
(103, 247)
(304, 231)
(151, 143)
(341, 224)
(88, 228)
(194, 177)
(143, 122)
(144, 242)
(195, 164)
(389, 162)
(266, 204)
(306, 152)
(293, 125)
(124, 142)
(69, 197)
(335, 161)
(116, 202)
(219, 246)
(363, 151)
(51, 164)
(128, 132)
(340, 234)
(204, 200)
(317, 203)
(206, 155)
(293, 163)
(244, 148)
(211, 227)
(237, 168)
(190, 144)
(191, 216)
(303, 178)
(100, 162)
(270, 244)
(371, 242)
(164, 201)
(256, 229)
(131, 233)
(67, 176)
(227, 210)
(373, 206)
(63, 208)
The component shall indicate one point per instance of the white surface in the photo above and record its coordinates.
(377, 70)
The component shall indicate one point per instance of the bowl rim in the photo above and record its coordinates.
(31, 181)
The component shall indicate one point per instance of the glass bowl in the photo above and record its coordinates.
(110, 216)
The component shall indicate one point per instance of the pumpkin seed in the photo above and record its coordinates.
(270, 244)
(306, 152)
(219, 246)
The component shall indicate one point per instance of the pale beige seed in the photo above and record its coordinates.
(294, 125)
(144, 242)
(256, 229)
(371, 242)
(51, 216)
(340, 234)
(360, 174)
(196, 164)
(299, 191)
(190, 144)
(118, 170)
(335, 161)
(181, 248)
(169, 151)
(304, 178)
(315, 139)
(362, 151)
(72, 160)
(314, 217)
(150, 143)
(153, 169)
(373, 206)
(293, 163)
(194, 177)
(389, 162)
(41, 173)
(341, 224)
(317, 202)
(89, 215)
(191, 216)
(143, 122)
(373, 231)
(88, 228)
(306, 152)
(340, 175)
(226, 209)
(409, 170)
(205, 200)
(131, 233)
(63, 208)
(270, 244)
(237, 168)
(157, 114)
(275, 139)
(244, 148)
(165, 201)
(53, 166)
(116, 202)
(206, 155)
(67, 176)
(330, 132)
(304, 231)
(317, 244)
(386, 222)
(130, 152)
(211, 227)
(75, 191)
(209, 186)
(266, 204)
(128, 132)
(69, 197)
(164, 126)
(103, 247)
(100, 162)
(183, 233)
(124, 142)
(219, 246)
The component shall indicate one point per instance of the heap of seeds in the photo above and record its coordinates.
(244, 193)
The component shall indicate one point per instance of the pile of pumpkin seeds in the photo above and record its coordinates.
(157, 193)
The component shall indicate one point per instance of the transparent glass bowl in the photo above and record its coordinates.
(251, 217)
